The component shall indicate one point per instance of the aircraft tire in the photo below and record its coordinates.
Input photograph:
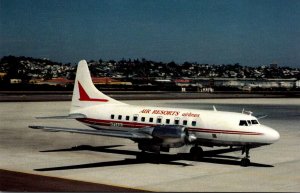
(141, 156)
(196, 153)
(245, 162)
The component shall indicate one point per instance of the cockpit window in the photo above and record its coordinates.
(248, 122)
(243, 123)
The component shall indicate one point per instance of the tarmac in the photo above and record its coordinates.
(111, 161)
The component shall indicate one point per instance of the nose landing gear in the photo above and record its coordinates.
(245, 161)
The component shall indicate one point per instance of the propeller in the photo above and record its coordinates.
(262, 116)
(189, 137)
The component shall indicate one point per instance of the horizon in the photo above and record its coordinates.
(251, 33)
(146, 59)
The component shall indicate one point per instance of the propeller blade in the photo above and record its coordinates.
(262, 116)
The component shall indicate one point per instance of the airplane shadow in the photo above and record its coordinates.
(211, 156)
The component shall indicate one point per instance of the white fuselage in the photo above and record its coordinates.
(212, 128)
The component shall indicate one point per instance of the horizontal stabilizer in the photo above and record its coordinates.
(70, 116)
(120, 134)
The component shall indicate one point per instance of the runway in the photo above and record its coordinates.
(23, 182)
(111, 161)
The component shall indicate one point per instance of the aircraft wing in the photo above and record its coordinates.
(70, 116)
(120, 134)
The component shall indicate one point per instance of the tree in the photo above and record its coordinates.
(48, 75)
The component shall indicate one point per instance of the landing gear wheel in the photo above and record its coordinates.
(196, 153)
(141, 156)
(157, 158)
(245, 162)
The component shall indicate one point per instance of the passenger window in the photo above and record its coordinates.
(158, 120)
(167, 121)
(176, 122)
(135, 118)
(143, 119)
(184, 122)
(120, 117)
(243, 123)
(112, 116)
(194, 123)
(151, 120)
(254, 122)
(127, 118)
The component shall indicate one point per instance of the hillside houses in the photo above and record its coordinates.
(147, 72)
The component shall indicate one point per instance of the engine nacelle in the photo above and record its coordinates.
(165, 137)
(170, 135)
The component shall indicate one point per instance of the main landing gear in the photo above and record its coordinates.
(245, 161)
(153, 157)
(141, 156)
(196, 153)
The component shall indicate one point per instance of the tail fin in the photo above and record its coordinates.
(85, 93)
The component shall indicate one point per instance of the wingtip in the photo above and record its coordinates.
(35, 127)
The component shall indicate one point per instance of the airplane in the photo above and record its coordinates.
(157, 129)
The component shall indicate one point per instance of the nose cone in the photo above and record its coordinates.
(271, 135)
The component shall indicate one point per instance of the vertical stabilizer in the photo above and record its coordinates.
(85, 93)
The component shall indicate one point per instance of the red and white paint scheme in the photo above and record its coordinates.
(157, 129)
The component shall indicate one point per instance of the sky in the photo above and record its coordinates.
(249, 32)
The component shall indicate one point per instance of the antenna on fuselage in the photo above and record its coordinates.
(214, 108)
(246, 112)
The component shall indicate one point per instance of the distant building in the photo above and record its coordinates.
(248, 83)
(64, 82)
(108, 80)
(36, 80)
(56, 82)
(182, 82)
(15, 81)
(2, 74)
(163, 80)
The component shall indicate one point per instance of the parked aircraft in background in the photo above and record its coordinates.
(157, 129)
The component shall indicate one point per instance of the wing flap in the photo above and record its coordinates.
(120, 134)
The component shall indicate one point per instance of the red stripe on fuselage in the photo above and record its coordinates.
(85, 97)
(108, 122)
(223, 131)
(140, 125)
